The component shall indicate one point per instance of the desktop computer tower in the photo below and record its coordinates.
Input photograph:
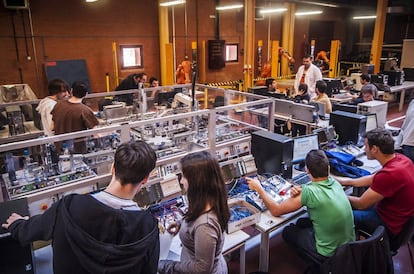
(378, 107)
(395, 77)
(272, 153)
(348, 126)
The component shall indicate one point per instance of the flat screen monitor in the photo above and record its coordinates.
(325, 135)
(371, 122)
(166, 98)
(259, 90)
(283, 107)
(301, 146)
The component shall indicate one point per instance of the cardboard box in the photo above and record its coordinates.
(252, 219)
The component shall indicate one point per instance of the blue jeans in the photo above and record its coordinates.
(367, 220)
(408, 151)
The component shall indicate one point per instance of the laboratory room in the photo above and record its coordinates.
(214, 136)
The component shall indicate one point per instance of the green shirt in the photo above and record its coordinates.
(331, 215)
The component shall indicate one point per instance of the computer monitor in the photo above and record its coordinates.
(259, 90)
(166, 98)
(371, 121)
(301, 146)
(333, 86)
(345, 107)
(325, 135)
(348, 126)
(283, 107)
(272, 153)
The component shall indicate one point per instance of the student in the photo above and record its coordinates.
(202, 230)
(321, 95)
(72, 115)
(104, 232)
(330, 223)
(303, 98)
(58, 90)
(389, 198)
(367, 94)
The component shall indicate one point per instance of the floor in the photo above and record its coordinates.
(282, 258)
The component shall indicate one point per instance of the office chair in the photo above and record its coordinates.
(406, 236)
(370, 255)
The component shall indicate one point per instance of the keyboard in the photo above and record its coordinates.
(301, 179)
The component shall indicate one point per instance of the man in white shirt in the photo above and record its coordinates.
(58, 90)
(308, 74)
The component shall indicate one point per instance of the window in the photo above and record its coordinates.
(232, 51)
(131, 57)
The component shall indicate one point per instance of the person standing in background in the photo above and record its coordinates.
(72, 115)
(133, 81)
(308, 74)
(58, 90)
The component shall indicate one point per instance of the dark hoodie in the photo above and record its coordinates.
(91, 237)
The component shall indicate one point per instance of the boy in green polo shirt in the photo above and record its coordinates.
(330, 222)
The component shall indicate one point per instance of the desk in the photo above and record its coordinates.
(407, 85)
(268, 224)
(232, 242)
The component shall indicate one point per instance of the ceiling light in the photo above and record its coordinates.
(172, 3)
(321, 4)
(364, 17)
(266, 11)
(90, 1)
(230, 7)
(301, 13)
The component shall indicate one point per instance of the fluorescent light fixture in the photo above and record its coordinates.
(364, 17)
(90, 1)
(230, 7)
(278, 10)
(321, 4)
(302, 13)
(172, 3)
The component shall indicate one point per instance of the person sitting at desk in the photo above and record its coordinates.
(367, 94)
(389, 199)
(303, 98)
(330, 223)
(321, 95)
(133, 81)
(202, 232)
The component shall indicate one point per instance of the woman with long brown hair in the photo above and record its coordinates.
(202, 230)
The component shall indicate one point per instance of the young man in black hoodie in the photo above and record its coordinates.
(105, 232)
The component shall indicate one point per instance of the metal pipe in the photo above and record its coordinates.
(17, 48)
(34, 49)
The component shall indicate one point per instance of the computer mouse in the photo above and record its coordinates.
(358, 163)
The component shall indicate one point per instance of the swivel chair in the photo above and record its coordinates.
(406, 236)
(370, 255)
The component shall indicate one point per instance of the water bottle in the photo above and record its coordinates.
(11, 170)
(66, 160)
(27, 166)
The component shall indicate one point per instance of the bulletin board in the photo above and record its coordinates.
(68, 70)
